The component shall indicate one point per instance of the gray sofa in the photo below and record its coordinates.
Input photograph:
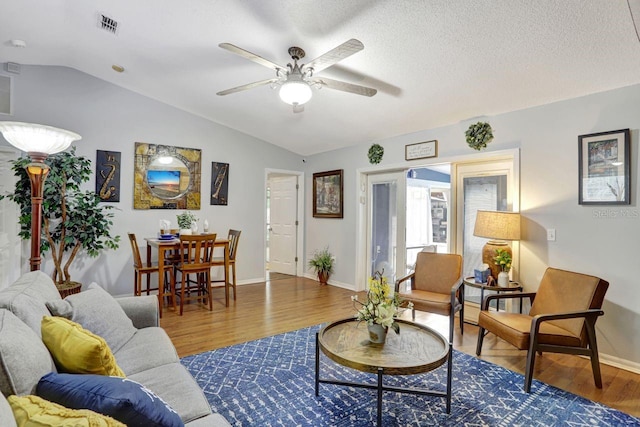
(141, 348)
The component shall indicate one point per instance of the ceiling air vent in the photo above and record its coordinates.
(108, 24)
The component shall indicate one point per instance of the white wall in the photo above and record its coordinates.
(112, 118)
(547, 138)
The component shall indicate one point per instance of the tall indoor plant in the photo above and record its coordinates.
(72, 220)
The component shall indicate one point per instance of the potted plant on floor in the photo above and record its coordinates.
(72, 220)
(322, 263)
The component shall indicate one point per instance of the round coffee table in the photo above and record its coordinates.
(417, 349)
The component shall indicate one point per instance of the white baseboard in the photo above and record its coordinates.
(617, 362)
(331, 282)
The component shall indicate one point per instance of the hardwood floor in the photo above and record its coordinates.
(278, 306)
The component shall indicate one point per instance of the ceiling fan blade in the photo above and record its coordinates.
(247, 86)
(336, 54)
(251, 56)
(345, 87)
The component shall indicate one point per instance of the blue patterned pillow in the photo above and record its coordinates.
(120, 398)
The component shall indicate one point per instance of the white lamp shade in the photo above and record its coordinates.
(295, 92)
(35, 138)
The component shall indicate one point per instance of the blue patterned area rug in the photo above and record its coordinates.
(270, 382)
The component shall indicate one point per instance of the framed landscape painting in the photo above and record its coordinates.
(328, 199)
(604, 168)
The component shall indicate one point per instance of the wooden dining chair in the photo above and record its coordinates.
(141, 269)
(234, 238)
(195, 253)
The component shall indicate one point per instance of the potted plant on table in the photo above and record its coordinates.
(72, 220)
(322, 263)
(379, 310)
(186, 221)
(503, 259)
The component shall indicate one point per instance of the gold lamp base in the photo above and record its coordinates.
(489, 252)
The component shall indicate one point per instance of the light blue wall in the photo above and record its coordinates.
(547, 137)
(109, 117)
(112, 118)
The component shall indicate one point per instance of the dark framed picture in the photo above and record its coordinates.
(604, 168)
(219, 183)
(108, 175)
(328, 199)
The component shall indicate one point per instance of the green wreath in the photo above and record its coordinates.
(375, 154)
(479, 135)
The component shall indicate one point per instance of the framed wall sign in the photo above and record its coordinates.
(421, 150)
(328, 199)
(604, 168)
(108, 175)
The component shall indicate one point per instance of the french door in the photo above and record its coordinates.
(480, 186)
(386, 239)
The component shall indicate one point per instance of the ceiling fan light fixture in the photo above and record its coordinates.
(295, 92)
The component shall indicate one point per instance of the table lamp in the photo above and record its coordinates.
(499, 227)
(39, 141)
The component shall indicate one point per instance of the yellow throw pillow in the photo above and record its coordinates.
(76, 350)
(33, 411)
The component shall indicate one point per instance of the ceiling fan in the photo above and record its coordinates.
(295, 81)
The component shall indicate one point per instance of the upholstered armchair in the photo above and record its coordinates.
(436, 286)
(561, 320)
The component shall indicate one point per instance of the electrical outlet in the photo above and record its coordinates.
(551, 234)
(377, 249)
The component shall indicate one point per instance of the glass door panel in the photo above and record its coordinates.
(386, 231)
(484, 186)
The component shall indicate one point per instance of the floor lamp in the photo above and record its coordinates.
(39, 141)
(498, 226)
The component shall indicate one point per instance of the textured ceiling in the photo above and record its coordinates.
(434, 62)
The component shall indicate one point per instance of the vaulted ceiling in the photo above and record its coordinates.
(433, 62)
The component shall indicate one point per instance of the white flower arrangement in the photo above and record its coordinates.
(379, 307)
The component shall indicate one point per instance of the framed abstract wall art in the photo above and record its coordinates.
(604, 168)
(328, 198)
(108, 175)
(219, 183)
(166, 177)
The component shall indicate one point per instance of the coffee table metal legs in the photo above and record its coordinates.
(380, 387)
(380, 396)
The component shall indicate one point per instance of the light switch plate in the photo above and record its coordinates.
(551, 234)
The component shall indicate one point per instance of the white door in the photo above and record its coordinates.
(480, 186)
(386, 247)
(283, 202)
(10, 242)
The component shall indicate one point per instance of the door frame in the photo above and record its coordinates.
(361, 191)
(299, 215)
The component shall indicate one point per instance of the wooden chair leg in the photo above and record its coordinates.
(182, 293)
(593, 348)
(452, 320)
(209, 296)
(531, 360)
(480, 340)
(233, 269)
(136, 291)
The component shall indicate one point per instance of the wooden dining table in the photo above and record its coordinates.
(165, 245)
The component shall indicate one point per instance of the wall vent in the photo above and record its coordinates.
(108, 24)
